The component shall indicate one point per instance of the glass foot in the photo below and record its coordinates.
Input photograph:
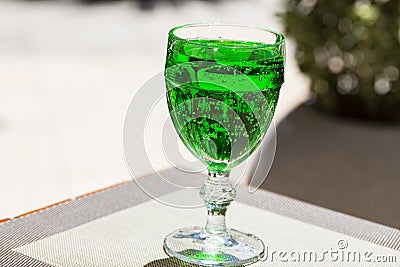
(195, 245)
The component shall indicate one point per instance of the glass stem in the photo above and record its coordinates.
(217, 193)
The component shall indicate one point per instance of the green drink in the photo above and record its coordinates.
(223, 84)
(222, 96)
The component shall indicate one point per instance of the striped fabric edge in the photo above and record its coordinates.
(65, 201)
(13, 258)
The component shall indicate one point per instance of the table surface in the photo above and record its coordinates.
(126, 221)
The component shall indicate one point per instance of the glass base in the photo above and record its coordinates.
(195, 245)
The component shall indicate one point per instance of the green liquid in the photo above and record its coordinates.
(201, 255)
(222, 95)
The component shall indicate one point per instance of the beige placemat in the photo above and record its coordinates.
(133, 237)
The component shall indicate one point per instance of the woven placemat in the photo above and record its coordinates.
(123, 226)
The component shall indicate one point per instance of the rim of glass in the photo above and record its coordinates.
(280, 37)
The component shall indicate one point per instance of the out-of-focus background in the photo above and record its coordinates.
(68, 70)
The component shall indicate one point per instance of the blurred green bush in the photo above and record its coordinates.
(351, 51)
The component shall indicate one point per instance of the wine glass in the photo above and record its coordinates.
(223, 83)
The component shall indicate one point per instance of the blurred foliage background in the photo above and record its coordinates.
(351, 52)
